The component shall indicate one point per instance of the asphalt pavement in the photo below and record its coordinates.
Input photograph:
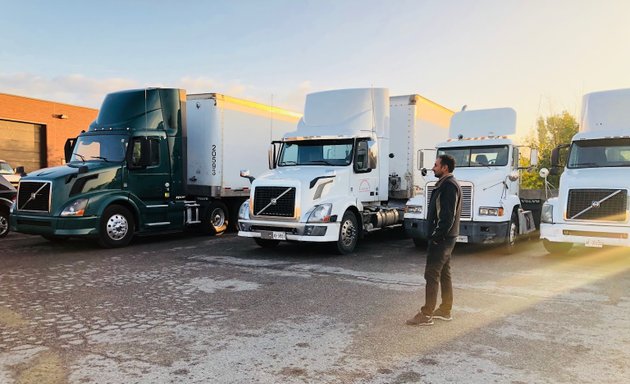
(191, 309)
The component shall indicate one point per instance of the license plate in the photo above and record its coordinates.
(462, 239)
(593, 243)
(273, 235)
(279, 235)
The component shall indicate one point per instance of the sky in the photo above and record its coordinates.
(536, 56)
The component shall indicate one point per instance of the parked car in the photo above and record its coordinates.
(7, 196)
(9, 173)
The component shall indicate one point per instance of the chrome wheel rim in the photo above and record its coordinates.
(117, 227)
(512, 235)
(348, 233)
(4, 225)
(217, 217)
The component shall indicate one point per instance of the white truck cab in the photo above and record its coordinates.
(344, 172)
(487, 169)
(592, 207)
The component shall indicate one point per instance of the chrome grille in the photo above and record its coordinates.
(597, 204)
(34, 196)
(466, 200)
(274, 201)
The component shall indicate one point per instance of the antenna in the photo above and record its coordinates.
(146, 118)
(271, 120)
(373, 111)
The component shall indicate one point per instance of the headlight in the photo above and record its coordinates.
(76, 208)
(490, 211)
(243, 211)
(320, 214)
(546, 214)
(413, 208)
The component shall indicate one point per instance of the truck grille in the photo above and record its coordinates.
(274, 201)
(466, 200)
(34, 196)
(597, 204)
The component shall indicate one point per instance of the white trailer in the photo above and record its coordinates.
(346, 170)
(593, 204)
(225, 135)
(487, 168)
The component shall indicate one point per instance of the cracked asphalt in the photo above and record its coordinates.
(192, 309)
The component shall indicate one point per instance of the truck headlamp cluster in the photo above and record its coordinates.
(243, 211)
(75, 209)
(413, 208)
(546, 214)
(490, 211)
(320, 214)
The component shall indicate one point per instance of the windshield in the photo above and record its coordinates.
(5, 169)
(477, 156)
(600, 153)
(110, 148)
(316, 152)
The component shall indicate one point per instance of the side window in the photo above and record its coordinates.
(145, 152)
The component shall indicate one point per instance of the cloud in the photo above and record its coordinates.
(78, 89)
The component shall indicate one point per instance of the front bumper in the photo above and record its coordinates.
(592, 234)
(475, 232)
(54, 226)
(273, 230)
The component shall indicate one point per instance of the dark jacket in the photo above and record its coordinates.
(445, 209)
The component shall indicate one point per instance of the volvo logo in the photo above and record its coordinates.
(273, 201)
(595, 204)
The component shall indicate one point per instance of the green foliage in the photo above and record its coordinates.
(550, 132)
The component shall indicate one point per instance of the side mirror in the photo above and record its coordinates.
(245, 174)
(513, 176)
(271, 158)
(533, 157)
(424, 171)
(20, 171)
(421, 160)
(544, 172)
(555, 157)
(68, 148)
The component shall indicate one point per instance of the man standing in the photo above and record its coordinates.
(443, 219)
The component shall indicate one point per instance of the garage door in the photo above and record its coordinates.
(23, 144)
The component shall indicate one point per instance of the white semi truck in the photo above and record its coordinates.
(347, 170)
(487, 168)
(592, 207)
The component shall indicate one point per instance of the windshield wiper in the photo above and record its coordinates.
(289, 162)
(319, 162)
(81, 156)
(100, 158)
(585, 164)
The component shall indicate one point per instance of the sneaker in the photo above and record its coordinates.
(442, 315)
(420, 319)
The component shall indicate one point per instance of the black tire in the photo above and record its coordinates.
(557, 248)
(348, 234)
(233, 218)
(116, 228)
(266, 243)
(512, 234)
(215, 218)
(4, 223)
(419, 242)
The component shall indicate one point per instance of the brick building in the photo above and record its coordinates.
(33, 132)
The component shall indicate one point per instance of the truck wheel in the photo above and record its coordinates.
(266, 243)
(348, 234)
(512, 234)
(116, 228)
(215, 218)
(4, 223)
(556, 248)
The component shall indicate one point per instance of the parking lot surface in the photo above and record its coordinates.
(191, 309)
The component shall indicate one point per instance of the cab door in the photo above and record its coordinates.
(149, 180)
(366, 175)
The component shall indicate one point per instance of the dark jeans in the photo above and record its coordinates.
(437, 273)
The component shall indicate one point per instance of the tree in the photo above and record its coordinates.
(550, 132)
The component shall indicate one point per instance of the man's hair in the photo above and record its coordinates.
(447, 160)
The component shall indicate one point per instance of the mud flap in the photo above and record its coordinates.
(526, 222)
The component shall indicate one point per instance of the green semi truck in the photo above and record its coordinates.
(154, 160)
